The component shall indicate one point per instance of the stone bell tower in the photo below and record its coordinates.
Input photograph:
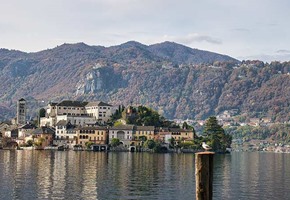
(21, 112)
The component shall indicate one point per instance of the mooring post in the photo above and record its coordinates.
(204, 175)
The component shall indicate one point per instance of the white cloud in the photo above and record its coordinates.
(283, 51)
(192, 38)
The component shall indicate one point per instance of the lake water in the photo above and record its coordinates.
(92, 175)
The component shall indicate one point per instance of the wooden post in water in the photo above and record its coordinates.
(204, 175)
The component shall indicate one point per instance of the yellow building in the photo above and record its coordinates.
(182, 134)
(96, 135)
(141, 131)
(165, 134)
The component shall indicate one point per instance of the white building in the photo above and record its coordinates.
(76, 112)
(123, 132)
(65, 134)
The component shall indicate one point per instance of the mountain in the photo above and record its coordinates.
(176, 80)
(184, 55)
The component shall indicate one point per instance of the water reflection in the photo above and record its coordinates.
(89, 175)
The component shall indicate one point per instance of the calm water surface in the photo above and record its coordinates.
(90, 175)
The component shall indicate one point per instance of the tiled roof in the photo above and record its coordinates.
(145, 128)
(122, 127)
(72, 103)
(28, 126)
(43, 130)
(97, 103)
(179, 130)
(61, 123)
(92, 128)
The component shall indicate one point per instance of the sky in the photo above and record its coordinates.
(243, 29)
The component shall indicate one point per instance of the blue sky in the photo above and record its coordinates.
(244, 29)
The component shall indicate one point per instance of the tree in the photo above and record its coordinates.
(143, 139)
(215, 135)
(89, 144)
(42, 112)
(115, 142)
(150, 144)
(29, 143)
(172, 142)
(185, 125)
(212, 126)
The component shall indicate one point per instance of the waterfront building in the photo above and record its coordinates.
(96, 134)
(147, 132)
(43, 137)
(123, 132)
(178, 134)
(65, 134)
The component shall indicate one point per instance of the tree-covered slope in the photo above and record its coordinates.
(177, 81)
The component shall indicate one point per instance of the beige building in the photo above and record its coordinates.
(76, 112)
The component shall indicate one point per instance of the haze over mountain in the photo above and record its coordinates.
(176, 80)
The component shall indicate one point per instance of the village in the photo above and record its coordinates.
(77, 125)
(83, 125)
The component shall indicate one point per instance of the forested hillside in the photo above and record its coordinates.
(178, 81)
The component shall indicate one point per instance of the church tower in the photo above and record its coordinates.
(21, 112)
